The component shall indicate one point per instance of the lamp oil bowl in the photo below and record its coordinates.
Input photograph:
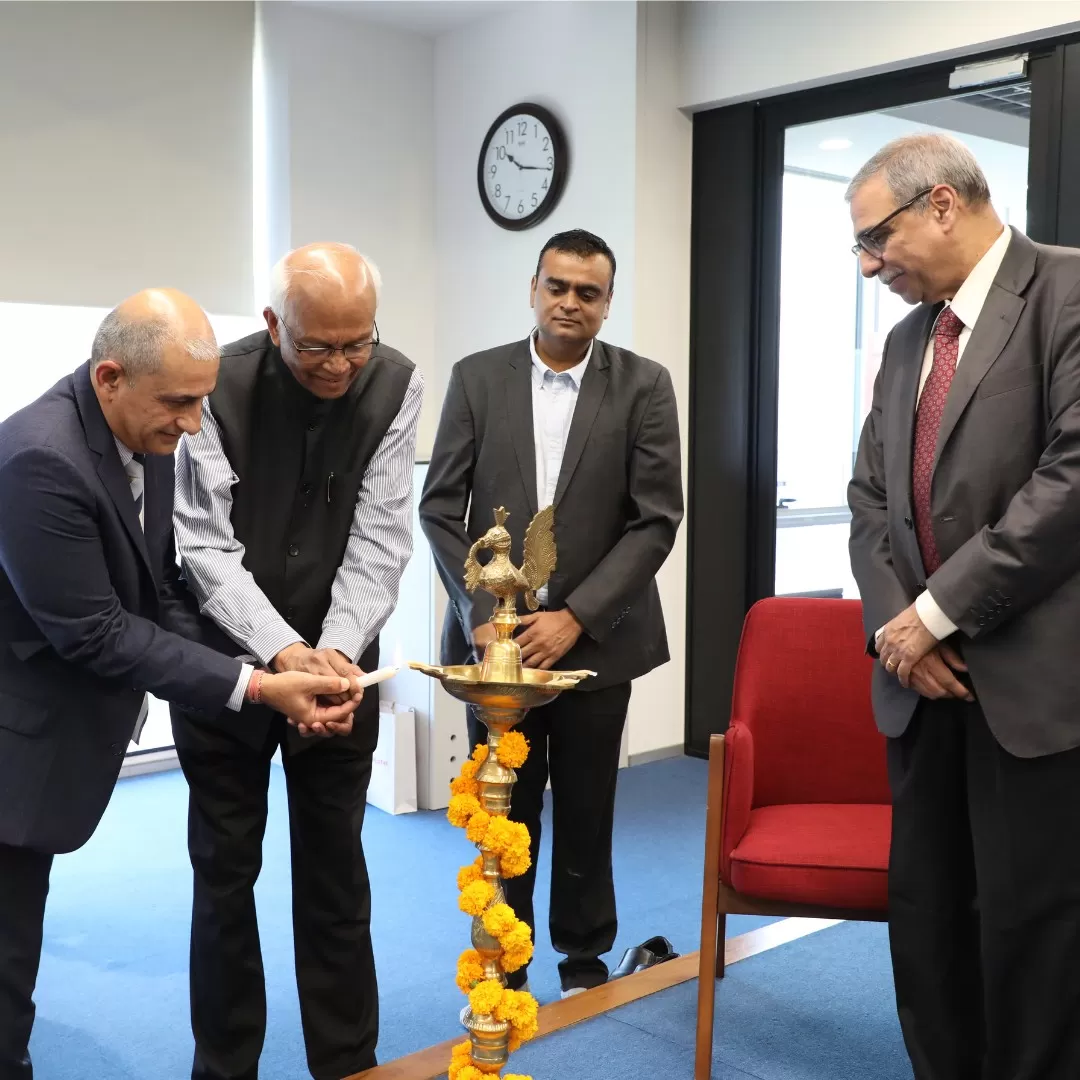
(501, 691)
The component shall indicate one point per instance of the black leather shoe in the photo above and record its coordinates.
(646, 955)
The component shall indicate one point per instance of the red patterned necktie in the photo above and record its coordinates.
(927, 424)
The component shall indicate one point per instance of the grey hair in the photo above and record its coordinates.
(914, 163)
(138, 345)
(282, 275)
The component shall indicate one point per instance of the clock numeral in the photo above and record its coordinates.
(547, 143)
(536, 131)
(507, 207)
(523, 128)
(498, 191)
(500, 152)
(543, 186)
(494, 170)
(521, 208)
(535, 200)
(509, 135)
(551, 162)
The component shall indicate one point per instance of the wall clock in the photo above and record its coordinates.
(521, 171)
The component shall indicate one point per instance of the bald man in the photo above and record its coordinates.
(87, 573)
(294, 523)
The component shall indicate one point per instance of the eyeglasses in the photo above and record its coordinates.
(356, 350)
(874, 245)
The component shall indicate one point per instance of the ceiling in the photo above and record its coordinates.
(427, 17)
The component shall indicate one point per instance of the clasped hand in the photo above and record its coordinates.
(546, 637)
(909, 651)
(323, 662)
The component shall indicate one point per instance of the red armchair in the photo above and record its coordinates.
(799, 814)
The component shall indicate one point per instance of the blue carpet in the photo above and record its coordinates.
(112, 992)
(820, 1008)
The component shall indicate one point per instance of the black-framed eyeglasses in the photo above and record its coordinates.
(870, 242)
(356, 350)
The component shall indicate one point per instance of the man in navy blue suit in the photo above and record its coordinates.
(88, 611)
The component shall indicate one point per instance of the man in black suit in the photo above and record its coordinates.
(965, 516)
(564, 419)
(86, 607)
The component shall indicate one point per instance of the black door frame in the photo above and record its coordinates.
(734, 328)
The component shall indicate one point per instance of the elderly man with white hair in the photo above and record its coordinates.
(293, 519)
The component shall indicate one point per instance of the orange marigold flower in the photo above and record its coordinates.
(470, 971)
(499, 920)
(515, 957)
(462, 785)
(468, 874)
(461, 810)
(480, 754)
(469, 769)
(513, 750)
(477, 828)
(514, 864)
(485, 997)
(476, 897)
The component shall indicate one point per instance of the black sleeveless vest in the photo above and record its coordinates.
(300, 462)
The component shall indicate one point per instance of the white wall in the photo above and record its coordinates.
(125, 138)
(661, 313)
(739, 50)
(578, 59)
(351, 116)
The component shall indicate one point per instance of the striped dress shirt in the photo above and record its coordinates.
(135, 478)
(365, 589)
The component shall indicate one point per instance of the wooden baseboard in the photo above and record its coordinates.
(430, 1063)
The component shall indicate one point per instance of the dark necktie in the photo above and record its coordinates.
(136, 475)
(928, 416)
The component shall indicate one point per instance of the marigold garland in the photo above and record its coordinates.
(509, 840)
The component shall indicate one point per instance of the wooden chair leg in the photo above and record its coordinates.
(721, 941)
(712, 921)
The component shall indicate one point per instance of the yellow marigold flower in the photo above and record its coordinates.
(461, 810)
(514, 864)
(499, 920)
(476, 897)
(480, 754)
(463, 785)
(470, 971)
(462, 1049)
(477, 828)
(470, 1072)
(463, 1069)
(518, 1007)
(513, 1047)
(513, 750)
(469, 769)
(485, 997)
(515, 957)
(468, 874)
(516, 1076)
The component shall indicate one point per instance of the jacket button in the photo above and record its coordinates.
(909, 523)
(290, 612)
(312, 426)
(294, 550)
(306, 489)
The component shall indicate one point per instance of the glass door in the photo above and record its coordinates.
(833, 322)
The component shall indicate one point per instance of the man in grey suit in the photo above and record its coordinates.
(964, 542)
(561, 418)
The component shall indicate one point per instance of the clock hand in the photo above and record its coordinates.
(516, 162)
(541, 168)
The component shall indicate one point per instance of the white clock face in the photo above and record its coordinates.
(519, 166)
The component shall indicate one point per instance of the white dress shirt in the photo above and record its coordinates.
(365, 589)
(554, 398)
(136, 476)
(967, 304)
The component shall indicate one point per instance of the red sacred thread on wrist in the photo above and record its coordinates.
(255, 686)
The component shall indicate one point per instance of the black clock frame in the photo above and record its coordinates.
(560, 151)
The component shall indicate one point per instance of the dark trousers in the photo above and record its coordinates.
(984, 901)
(24, 885)
(331, 898)
(576, 741)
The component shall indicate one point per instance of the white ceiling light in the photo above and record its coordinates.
(835, 144)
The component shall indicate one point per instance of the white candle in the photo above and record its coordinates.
(373, 677)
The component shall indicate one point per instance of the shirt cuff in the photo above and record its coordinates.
(933, 618)
(267, 642)
(346, 641)
(238, 695)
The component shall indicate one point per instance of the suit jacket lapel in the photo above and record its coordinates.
(100, 440)
(593, 387)
(994, 327)
(519, 413)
